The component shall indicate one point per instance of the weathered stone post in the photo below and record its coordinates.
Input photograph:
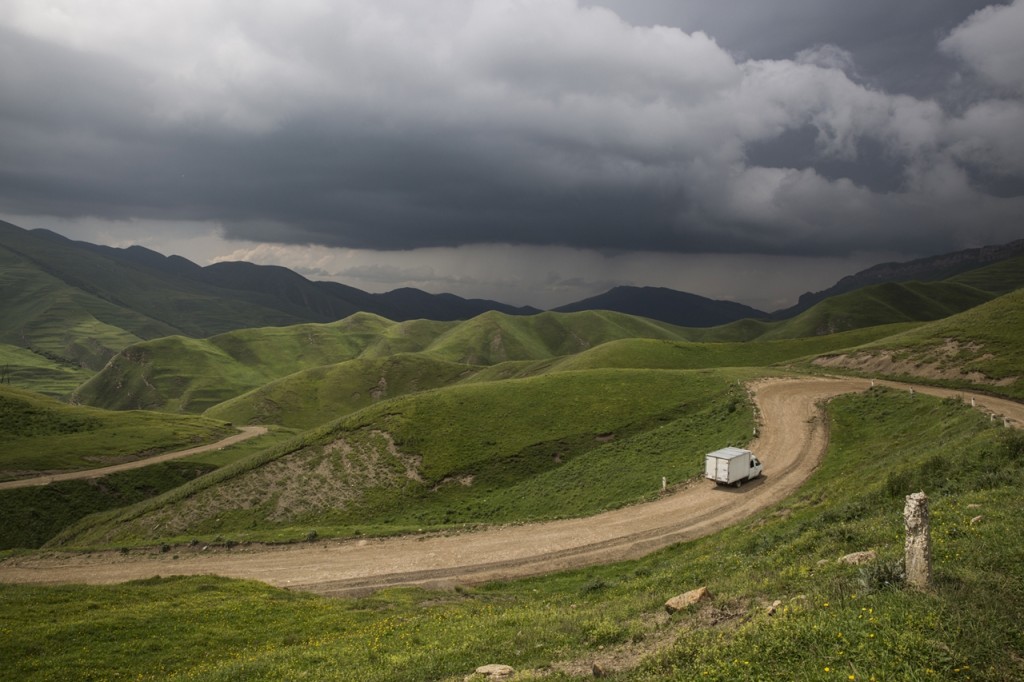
(918, 544)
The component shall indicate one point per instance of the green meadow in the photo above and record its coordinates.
(978, 349)
(562, 444)
(833, 622)
(41, 435)
(381, 428)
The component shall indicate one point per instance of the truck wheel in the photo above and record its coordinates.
(738, 483)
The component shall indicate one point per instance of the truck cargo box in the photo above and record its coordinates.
(731, 466)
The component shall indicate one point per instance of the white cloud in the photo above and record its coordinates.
(991, 134)
(991, 42)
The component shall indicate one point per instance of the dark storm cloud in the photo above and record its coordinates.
(405, 125)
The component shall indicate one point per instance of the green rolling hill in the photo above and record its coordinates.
(263, 371)
(979, 348)
(181, 374)
(81, 303)
(567, 443)
(446, 444)
(40, 435)
(311, 397)
(881, 304)
(998, 278)
(871, 306)
(191, 375)
(440, 426)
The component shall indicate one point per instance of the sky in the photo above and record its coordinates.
(534, 152)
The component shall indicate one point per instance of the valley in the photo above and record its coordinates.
(792, 439)
(388, 490)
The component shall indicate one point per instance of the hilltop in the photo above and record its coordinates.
(78, 303)
(73, 305)
(434, 429)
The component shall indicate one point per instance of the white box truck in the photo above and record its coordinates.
(731, 466)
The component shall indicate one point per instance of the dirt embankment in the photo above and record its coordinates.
(792, 437)
(945, 361)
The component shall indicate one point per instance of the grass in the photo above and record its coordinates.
(998, 278)
(40, 434)
(33, 371)
(835, 621)
(652, 353)
(311, 397)
(34, 515)
(191, 375)
(881, 304)
(987, 342)
(61, 322)
(565, 444)
(181, 374)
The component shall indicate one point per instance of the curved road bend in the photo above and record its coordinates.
(793, 437)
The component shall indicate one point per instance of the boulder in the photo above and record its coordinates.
(682, 601)
(858, 557)
(496, 671)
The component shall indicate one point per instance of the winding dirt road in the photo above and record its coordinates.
(792, 438)
(245, 433)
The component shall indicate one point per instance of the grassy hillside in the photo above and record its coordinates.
(38, 513)
(62, 323)
(998, 278)
(34, 515)
(654, 354)
(192, 375)
(39, 434)
(64, 283)
(570, 443)
(181, 374)
(834, 621)
(31, 371)
(881, 304)
(305, 375)
(309, 398)
(979, 348)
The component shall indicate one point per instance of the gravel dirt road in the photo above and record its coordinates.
(793, 436)
(245, 433)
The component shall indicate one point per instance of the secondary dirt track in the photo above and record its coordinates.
(792, 438)
(245, 433)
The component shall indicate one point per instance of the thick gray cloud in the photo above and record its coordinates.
(799, 127)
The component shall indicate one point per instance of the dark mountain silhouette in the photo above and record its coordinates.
(666, 305)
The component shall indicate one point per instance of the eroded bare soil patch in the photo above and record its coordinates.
(312, 480)
(946, 361)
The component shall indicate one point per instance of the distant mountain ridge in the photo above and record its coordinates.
(666, 305)
(79, 302)
(928, 269)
